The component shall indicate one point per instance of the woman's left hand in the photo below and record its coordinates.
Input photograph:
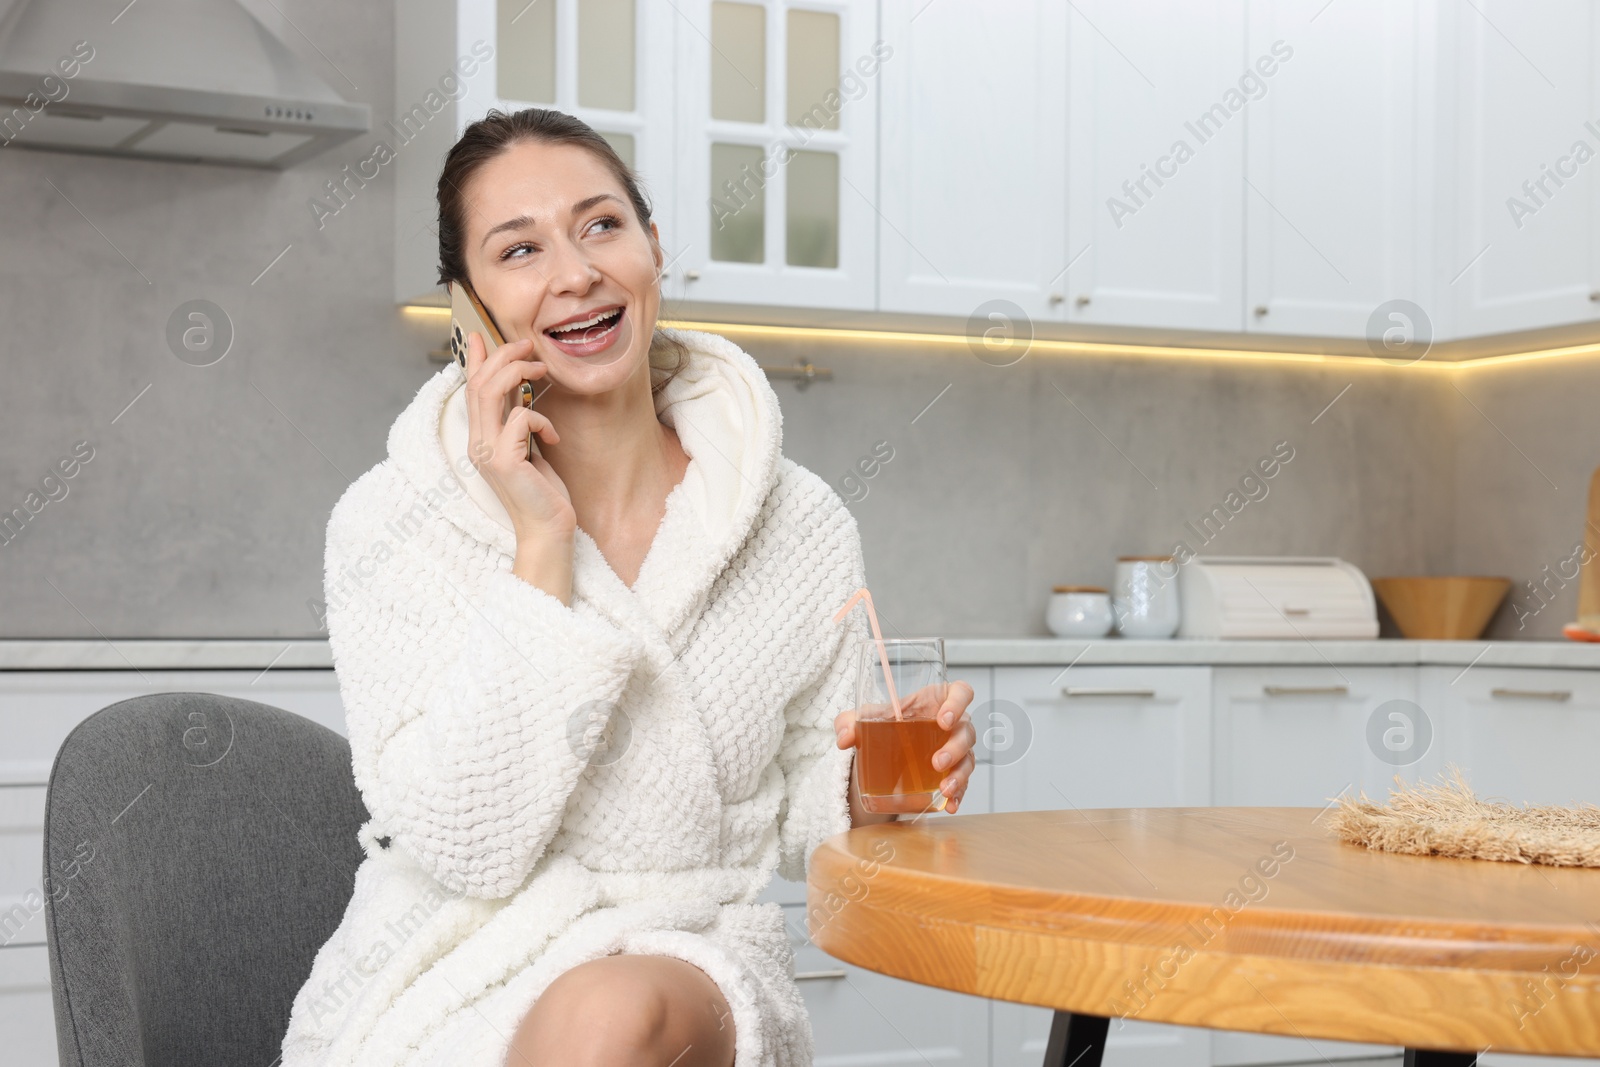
(955, 755)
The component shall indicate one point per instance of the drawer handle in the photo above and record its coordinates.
(1093, 691)
(1297, 611)
(1532, 694)
(804, 976)
(1306, 690)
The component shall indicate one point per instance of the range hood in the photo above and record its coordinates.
(199, 81)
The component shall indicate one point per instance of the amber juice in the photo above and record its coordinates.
(895, 757)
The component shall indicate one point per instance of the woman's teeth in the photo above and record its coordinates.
(603, 317)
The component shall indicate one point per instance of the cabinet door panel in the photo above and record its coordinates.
(39, 708)
(27, 1012)
(973, 155)
(1523, 735)
(1099, 737)
(1334, 213)
(1523, 251)
(1299, 735)
(859, 1016)
(1296, 736)
(1156, 235)
(752, 221)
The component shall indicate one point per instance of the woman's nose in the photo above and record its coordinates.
(570, 269)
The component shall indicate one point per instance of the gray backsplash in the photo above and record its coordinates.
(201, 513)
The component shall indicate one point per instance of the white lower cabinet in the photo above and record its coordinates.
(1102, 737)
(1049, 737)
(1528, 736)
(862, 1017)
(1298, 737)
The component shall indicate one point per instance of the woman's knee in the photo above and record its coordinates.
(620, 1009)
(598, 1010)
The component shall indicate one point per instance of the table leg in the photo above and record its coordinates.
(1078, 1040)
(1422, 1057)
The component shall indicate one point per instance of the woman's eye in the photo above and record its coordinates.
(521, 244)
(612, 222)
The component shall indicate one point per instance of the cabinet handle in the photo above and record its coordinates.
(1082, 301)
(1056, 298)
(1092, 691)
(1297, 611)
(1532, 694)
(1261, 311)
(692, 275)
(1306, 690)
(804, 976)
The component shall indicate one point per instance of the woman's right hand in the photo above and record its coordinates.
(497, 441)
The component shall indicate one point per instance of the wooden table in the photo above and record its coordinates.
(1252, 919)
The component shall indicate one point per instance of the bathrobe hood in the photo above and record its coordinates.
(729, 422)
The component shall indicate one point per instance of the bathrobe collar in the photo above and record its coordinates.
(728, 420)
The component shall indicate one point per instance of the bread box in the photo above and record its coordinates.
(1275, 597)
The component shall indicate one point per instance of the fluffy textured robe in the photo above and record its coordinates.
(550, 783)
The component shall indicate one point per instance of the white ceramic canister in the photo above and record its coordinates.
(1145, 596)
(1078, 611)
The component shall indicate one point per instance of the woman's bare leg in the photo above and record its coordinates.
(627, 1010)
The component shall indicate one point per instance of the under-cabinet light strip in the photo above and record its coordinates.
(1094, 348)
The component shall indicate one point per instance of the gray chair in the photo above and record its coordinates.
(198, 850)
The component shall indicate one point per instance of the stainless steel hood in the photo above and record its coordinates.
(198, 81)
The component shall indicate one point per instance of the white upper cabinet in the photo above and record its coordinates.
(974, 143)
(1338, 164)
(1155, 163)
(608, 62)
(1522, 244)
(1286, 167)
(776, 155)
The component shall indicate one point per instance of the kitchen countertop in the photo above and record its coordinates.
(264, 654)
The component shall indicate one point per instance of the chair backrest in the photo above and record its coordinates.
(198, 851)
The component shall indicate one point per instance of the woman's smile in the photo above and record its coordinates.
(589, 334)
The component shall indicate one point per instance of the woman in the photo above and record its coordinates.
(593, 697)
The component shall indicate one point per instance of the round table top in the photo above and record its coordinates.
(1253, 919)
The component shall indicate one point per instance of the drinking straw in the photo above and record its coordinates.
(877, 634)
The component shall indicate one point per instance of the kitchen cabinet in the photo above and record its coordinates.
(1521, 240)
(972, 214)
(1102, 737)
(860, 1016)
(1155, 227)
(1299, 736)
(1051, 736)
(607, 62)
(1339, 164)
(776, 167)
(1245, 166)
(1519, 734)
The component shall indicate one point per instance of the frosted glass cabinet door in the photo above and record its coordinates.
(1155, 230)
(1099, 737)
(974, 152)
(777, 156)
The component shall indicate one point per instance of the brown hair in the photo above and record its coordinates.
(498, 131)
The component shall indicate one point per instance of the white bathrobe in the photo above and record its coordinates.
(549, 783)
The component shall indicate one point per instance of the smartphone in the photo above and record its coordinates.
(467, 314)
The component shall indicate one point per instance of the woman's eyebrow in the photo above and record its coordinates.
(528, 220)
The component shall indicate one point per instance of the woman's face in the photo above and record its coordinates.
(552, 241)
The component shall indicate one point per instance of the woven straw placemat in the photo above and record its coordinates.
(1449, 820)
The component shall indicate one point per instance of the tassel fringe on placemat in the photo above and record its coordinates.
(1449, 820)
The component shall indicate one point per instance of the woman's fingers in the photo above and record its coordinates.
(844, 728)
(957, 696)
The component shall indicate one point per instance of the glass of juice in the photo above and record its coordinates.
(894, 769)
